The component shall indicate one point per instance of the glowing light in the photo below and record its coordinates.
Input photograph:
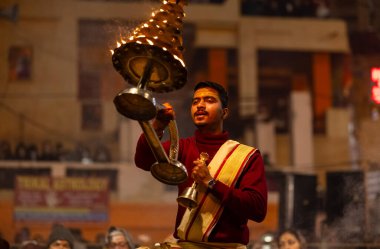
(375, 75)
(112, 52)
(151, 20)
(118, 44)
(153, 14)
(146, 25)
(158, 26)
(268, 238)
(155, 37)
(139, 42)
(165, 21)
(150, 42)
(122, 41)
(131, 38)
(376, 94)
(176, 57)
(162, 10)
(164, 48)
(141, 36)
(165, 2)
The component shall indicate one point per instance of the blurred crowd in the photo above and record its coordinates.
(49, 151)
(70, 238)
(119, 238)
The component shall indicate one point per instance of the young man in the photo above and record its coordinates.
(231, 184)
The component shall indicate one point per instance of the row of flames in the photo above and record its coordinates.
(153, 32)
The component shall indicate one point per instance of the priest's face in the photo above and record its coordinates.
(207, 111)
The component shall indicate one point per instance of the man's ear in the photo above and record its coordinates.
(225, 113)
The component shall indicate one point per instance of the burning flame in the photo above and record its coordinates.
(139, 36)
(150, 42)
(177, 58)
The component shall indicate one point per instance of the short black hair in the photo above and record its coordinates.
(223, 95)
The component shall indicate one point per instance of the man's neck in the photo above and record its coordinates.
(206, 130)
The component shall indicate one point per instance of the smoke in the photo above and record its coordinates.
(348, 223)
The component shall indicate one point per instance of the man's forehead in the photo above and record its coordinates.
(206, 92)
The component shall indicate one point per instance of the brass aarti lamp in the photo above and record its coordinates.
(151, 59)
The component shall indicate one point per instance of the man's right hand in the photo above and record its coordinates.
(163, 118)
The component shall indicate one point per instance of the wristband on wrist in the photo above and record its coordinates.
(211, 184)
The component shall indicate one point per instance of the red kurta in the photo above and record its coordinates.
(248, 200)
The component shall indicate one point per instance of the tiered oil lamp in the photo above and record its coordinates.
(151, 59)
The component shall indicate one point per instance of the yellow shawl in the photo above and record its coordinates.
(226, 167)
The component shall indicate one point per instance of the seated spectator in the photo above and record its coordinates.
(5, 150)
(60, 238)
(291, 239)
(48, 152)
(21, 152)
(118, 238)
(102, 154)
(82, 153)
(32, 152)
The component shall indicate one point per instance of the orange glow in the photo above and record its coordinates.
(150, 42)
(375, 75)
(376, 94)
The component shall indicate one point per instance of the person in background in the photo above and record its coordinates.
(291, 239)
(4, 244)
(118, 238)
(60, 238)
(232, 180)
(30, 244)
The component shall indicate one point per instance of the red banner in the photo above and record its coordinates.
(61, 199)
